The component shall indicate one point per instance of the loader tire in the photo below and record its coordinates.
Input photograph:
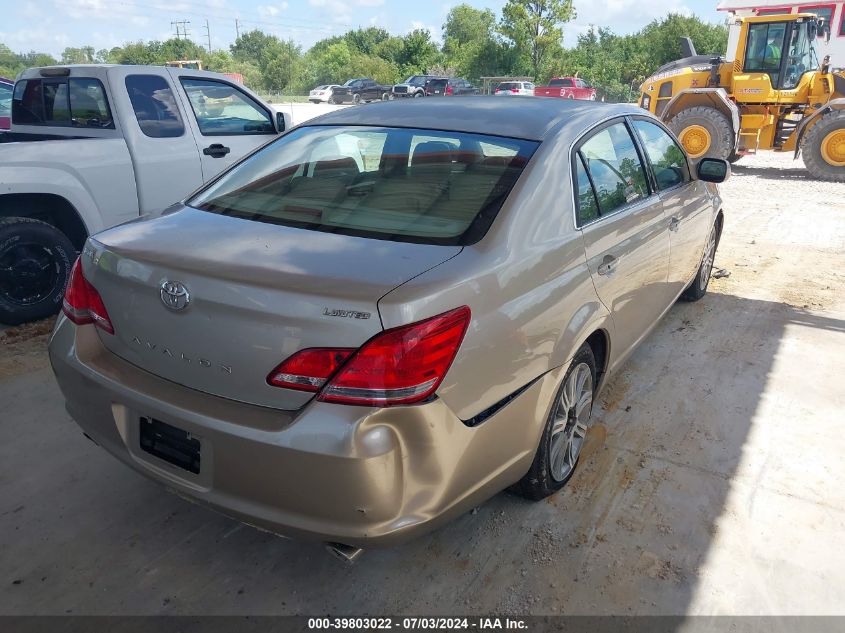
(703, 131)
(823, 147)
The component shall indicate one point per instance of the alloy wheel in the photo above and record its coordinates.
(571, 420)
(707, 260)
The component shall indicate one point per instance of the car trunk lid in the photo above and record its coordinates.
(256, 293)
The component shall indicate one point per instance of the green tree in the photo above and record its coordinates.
(470, 42)
(81, 55)
(535, 28)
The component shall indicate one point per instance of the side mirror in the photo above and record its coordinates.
(713, 170)
(281, 122)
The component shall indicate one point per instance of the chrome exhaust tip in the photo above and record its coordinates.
(347, 553)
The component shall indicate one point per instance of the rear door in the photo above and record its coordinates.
(624, 230)
(686, 202)
(227, 122)
(164, 153)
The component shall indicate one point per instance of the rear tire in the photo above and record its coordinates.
(35, 263)
(565, 430)
(717, 126)
(824, 147)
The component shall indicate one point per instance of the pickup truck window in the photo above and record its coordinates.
(561, 83)
(223, 110)
(76, 102)
(155, 106)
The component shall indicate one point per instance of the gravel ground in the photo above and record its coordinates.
(712, 480)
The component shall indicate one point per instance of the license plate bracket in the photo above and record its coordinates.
(171, 444)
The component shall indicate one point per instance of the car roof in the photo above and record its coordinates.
(531, 118)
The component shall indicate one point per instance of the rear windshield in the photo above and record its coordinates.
(557, 83)
(76, 102)
(509, 86)
(438, 83)
(399, 184)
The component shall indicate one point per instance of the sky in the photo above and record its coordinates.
(51, 25)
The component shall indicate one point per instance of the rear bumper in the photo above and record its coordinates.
(355, 475)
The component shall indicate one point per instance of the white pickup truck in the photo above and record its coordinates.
(93, 146)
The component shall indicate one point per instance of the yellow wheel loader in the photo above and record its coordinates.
(775, 95)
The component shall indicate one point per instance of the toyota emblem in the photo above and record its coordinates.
(174, 295)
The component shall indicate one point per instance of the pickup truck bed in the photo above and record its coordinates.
(125, 141)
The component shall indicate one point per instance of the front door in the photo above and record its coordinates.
(227, 122)
(624, 230)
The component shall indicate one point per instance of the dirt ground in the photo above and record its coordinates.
(713, 481)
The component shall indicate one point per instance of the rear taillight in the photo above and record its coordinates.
(399, 366)
(308, 370)
(448, 90)
(515, 90)
(82, 303)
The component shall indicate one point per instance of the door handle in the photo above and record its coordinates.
(608, 265)
(216, 150)
(674, 223)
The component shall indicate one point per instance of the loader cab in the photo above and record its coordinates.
(782, 47)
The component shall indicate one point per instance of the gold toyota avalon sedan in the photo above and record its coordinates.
(390, 313)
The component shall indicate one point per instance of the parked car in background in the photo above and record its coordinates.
(508, 88)
(6, 87)
(567, 88)
(361, 90)
(364, 340)
(93, 146)
(323, 94)
(453, 86)
(413, 86)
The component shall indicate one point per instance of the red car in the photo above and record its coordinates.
(6, 86)
(567, 88)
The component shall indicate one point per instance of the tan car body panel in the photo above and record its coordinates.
(368, 476)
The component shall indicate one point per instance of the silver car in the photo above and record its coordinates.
(389, 314)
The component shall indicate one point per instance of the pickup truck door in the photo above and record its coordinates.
(164, 154)
(227, 122)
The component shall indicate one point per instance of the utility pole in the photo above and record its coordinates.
(208, 35)
(237, 28)
(184, 32)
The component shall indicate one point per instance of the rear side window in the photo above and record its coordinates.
(614, 166)
(588, 206)
(155, 106)
(404, 185)
(223, 110)
(74, 102)
(667, 159)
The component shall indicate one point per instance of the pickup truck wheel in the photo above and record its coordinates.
(35, 263)
(565, 431)
(356, 99)
(417, 95)
(384, 96)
